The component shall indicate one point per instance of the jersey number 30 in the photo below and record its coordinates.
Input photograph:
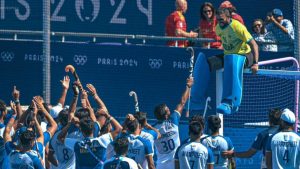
(168, 145)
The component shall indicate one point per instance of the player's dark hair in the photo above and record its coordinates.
(105, 128)
(82, 113)
(63, 117)
(195, 128)
(214, 123)
(132, 125)
(87, 126)
(199, 119)
(224, 11)
(26, 138)
(2, 107)
(141, 117)
(160, 111)
(121, 145)
(274, 116)
(211, 7)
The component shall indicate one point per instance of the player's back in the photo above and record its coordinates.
(168, 143)
(218, 144)
(285, 148)
(64, 155)
(138, 149)
(192, 155)
(120, 163)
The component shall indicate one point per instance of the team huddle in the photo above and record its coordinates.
(78, 136)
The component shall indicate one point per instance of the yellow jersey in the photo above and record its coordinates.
(235, 38)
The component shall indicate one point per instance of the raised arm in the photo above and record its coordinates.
(185, 95)
(98, 100)
(74, 101)
(39, 129)
(8, 128)
(65, 86)
(53, 126)
(16, 96)
(86, 104)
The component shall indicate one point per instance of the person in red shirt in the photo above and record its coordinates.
(208, 25)
(176, 25)
(232, 9)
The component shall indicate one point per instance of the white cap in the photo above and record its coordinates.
(288, 116)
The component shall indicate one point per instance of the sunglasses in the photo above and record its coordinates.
(207, 11)
(257, 25)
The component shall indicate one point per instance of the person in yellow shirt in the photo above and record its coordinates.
(240, 51)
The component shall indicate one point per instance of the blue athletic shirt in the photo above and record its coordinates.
(168, 143)
(285, 148)
(218, 144)
(194, 155)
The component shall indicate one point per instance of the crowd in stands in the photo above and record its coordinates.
(79, 136)
(274, 33)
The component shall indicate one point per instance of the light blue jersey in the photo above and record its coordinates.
(194, 155)
(64, 155)
(89, 152)
(149, 135)
(285, 148)
(120, 163)
(168, 143)
(218, 144)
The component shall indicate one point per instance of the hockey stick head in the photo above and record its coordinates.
(134, 95)
(70, 68)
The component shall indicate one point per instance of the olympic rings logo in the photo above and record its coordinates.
(80, 59)
(155, 63)
(7, 56)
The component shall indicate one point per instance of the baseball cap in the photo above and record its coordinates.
(226, 4)
(277, 12)
(288, 116)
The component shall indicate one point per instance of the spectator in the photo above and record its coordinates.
(282, 29)
(193, 154)
(283, 148)
(208, 24)
(218, 144)
(261, 35)
(121, 145)
(168, 127)
(261, 139)
(233, 11)
(176, 25)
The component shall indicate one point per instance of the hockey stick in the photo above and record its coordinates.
(208, 99)
(191, 50)
(70, 68)
(136, 102)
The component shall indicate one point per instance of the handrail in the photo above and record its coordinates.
(118, 36)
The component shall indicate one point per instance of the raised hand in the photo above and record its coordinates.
(13, 107)
(16, 93)
(92, 89)
(65, 82)
(75, 88)
(38, 102)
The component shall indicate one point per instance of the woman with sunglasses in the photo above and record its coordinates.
(208, 25)
(261, 35)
